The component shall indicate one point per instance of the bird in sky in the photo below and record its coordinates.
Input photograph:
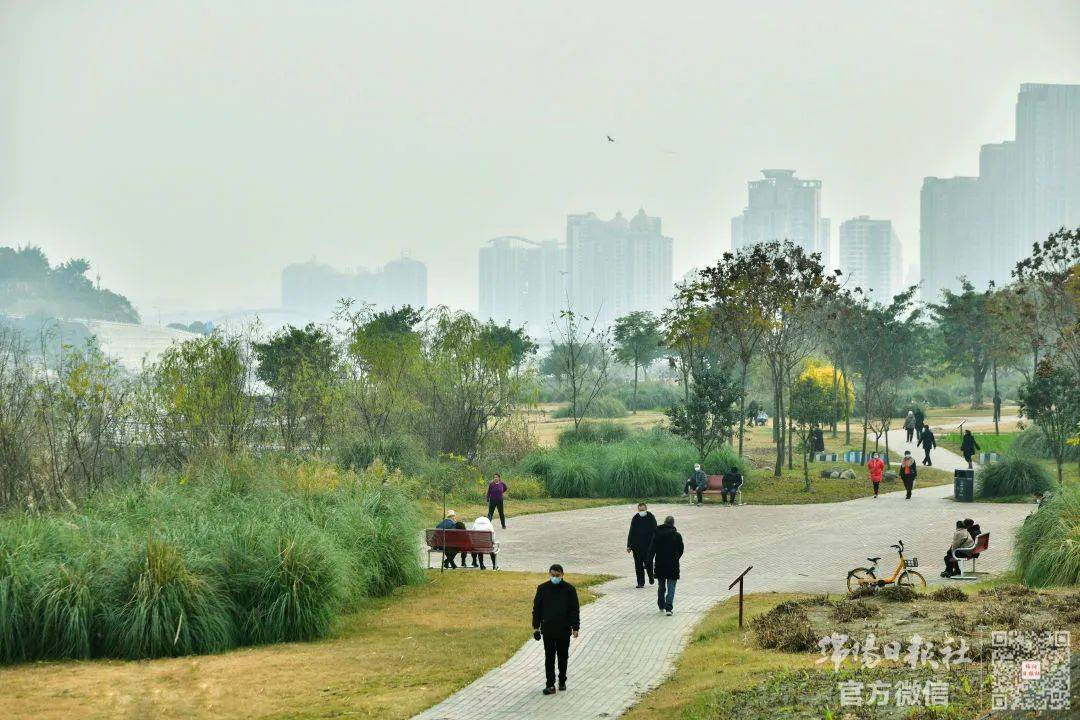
(610, 139)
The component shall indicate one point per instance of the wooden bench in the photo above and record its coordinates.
(982, 543)
(461, 541)
(716, 487)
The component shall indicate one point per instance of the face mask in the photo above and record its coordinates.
(555, 580)
(642, 513)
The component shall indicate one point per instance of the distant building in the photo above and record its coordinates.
(313, 289)
(1026, 188)
(871, 257)
(617, 266)
(523, 282)
(783, 207)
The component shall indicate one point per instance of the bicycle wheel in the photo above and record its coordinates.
(911, 579)
(858, 578)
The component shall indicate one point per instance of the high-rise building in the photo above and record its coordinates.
(523, 282)
(782, 207)
(617, 266)
(871, 257)
(1026, 189)
(950, 230)
(314, 289)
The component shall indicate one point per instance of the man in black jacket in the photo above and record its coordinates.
(666, 549)
(928, 443)
(555, 617)
(642, 528)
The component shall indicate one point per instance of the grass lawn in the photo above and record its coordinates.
(723, 674)
(397, 657)
(546, 428)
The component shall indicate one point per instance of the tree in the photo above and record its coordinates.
(300, 368)
(1052, 400)
(707, 418)
(583, 362)
(811, 404)
(968, 329)
(638, 342)
(1008, 344)
(733, 289)
(1050, 277)
(515, 339)
(882, 351)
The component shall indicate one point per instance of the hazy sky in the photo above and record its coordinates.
(191, 149)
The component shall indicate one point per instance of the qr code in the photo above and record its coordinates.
(1030, 670)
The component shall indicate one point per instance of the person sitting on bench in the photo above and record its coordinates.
(961, 541)
(730, 485)
(449, 523)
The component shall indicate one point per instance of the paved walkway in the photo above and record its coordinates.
(627, 647)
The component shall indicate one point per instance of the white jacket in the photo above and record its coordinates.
(482, 523)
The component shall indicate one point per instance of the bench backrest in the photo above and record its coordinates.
(716, 482)
(460, 540)
(981, 543)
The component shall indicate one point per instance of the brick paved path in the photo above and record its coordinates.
(627, 647)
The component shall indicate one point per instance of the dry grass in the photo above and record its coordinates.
(395, 658)
(546, 428)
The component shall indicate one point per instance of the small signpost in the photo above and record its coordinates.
(740, 581)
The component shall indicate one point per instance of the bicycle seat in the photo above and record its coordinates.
(874, 560)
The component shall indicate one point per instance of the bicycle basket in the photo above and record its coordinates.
(911, 562)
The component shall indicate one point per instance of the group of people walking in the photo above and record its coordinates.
(916, 429)
(875, 468)
(656, 550)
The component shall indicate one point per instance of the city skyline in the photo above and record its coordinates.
(206, 150)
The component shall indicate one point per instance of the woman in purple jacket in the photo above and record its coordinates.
(495, 492)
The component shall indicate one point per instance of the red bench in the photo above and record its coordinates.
(716, 486)
(461, 541)
(982, 544)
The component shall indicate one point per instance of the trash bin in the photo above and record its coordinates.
(964, 485)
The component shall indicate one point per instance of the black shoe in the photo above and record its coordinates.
(640, 586)
(562, 686)
(651, 581)
(549, 691)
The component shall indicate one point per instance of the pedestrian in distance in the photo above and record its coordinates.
(920, 421)
(638, 540)
(908, 473)
(817, 440)
(928, 443)
(555, 619)
(697, 483)
(968, 446)
(496, 491)
(876, 468)
(909, 425)
(997, 407)
(667, 548)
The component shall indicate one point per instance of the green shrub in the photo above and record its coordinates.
(1047, 552)
(1031, 442)
(651, 395)
(1012, 476)
(574, 474)
(594, 432)
(604, 406)
(397, 452)
(633, 470)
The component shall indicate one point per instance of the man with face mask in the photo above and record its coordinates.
(642, 529)
(555, 618)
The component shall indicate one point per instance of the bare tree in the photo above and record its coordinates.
(585, 360)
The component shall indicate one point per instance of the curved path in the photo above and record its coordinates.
(627, 647)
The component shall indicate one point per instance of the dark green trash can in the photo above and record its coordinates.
(964, 485)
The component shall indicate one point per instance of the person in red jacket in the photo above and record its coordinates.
(875, 467)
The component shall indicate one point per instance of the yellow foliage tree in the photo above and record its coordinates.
(823, 374)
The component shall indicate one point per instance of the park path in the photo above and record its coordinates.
(627, 647)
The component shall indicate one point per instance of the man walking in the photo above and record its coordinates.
(555, 618)
(495, 492)
(968, 446)
(928, 443)
(642, 529)
(920, 418)
(667, 548)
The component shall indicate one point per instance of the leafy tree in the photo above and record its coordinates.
(811, 404)
(583, 362)
(520, 345)
(1052, 400)
(968, 329)
(29, 286)
(638, 342)
(707, 418)
(300, 367)
(1050, 278)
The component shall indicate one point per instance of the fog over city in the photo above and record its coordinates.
(192, 150)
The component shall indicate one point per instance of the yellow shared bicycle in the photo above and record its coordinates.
(903, 575)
